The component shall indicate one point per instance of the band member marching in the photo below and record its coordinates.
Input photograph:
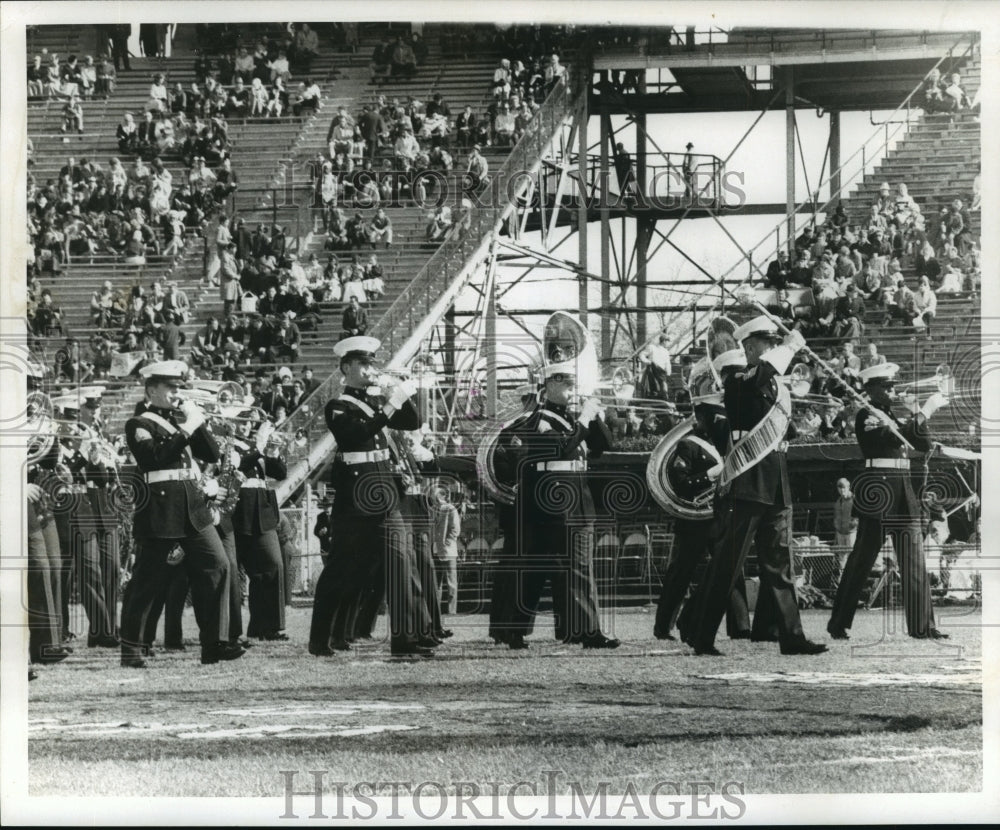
(173, 511)
(691, 459)
(755, 474)
(79, 529)
(255, 523)
(369, 551)
(885, 504)
(554, 507)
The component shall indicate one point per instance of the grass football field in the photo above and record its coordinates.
(880, 713)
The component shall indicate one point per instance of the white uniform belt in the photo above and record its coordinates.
(254, 483)
(156, 476)
(364, 457)
(892, 463)
(577, 466)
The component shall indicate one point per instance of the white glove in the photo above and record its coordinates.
(590, 410)
(210, 488)
(933, 404)
(794, 340)
(193, 417)
(714, 472)
(402, 393)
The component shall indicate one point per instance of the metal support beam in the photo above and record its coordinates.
(491, 337)
(644, 231)
(790, 160)
(604, 177)
(834, 145)
(583, 116)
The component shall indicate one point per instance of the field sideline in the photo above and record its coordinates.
(888, 715)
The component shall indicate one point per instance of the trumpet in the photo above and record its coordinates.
(941, 381)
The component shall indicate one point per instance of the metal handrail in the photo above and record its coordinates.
(414, 302)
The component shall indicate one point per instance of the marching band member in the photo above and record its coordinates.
(886, 505)
(369, 551)
(44, 556)
(762, 501)
(101, 467)
(555, 510)
(172, 511)
(693, 469)
(255, 523)
(78, 527)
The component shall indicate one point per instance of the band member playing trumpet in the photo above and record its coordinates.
(369, 551)
(886, 505)
(756, 476)
(555, 509)
(172, 511)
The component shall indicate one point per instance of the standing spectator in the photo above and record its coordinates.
(306, 47)
(355, 319)
(687, 171)
(119, 46)
(779, 272)
(229, 287)
(171, 337)
(323, 529)
(447, 526)
(845, 524)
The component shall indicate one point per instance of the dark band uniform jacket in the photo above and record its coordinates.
(256, 510)
(365, 485)
(168, 509)
(749, 396)
(877, 441)
(557, 495)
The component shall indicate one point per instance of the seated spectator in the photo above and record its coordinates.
(406, 149)
(380, 229)
(465, 128)
(287, 340)
(373, 283)
(70, 367)
(779, 272)
(801, 273)
(381, 61)
(158, 98)
(234, 337)
(849, 316)
(72, 117)
(478, 168)
(176, 300)
(872, 356)
(103, 311)
(243, 66)
(782, 308)
(402, 61)
(355, 319)
(951, 281)
(37, 77)
(47, 319)
(954, 96)
(358, 233)
(88, 77)
(260, 338)
(107, 77)
(503, 126)
(440, 223)
(279, 67)
(307, 97)
(926, 262)
(353, 284)
(925, 301)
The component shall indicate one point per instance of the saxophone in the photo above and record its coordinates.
(227, 478)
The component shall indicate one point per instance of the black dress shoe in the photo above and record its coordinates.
(800, 645)
(412, 650)
(444, 633)
(600, 641)
(174, 647)
(837, 632)
(707, 651)
(321, 651)
(241, 642)
(275, 636)
(515, 642)
(220, 652)
(663, 635)
(52, 654)
(931, 634)
(103, 641)
(429, 642)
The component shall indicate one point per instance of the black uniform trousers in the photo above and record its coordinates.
(505, 618)
(260, 556)
(693, 545)
(369, 554)
(426, 576)
(562, 554)
(44, 613)
(177, 592)
(95, 566)
(909, 549)
(768, 526)
(207, 568)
